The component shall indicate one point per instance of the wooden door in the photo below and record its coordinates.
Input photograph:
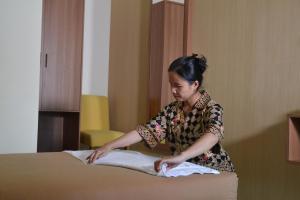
(61, 56)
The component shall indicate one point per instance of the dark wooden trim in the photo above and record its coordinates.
(187, 28)
(149, 60)
(156, 56)
(294, 139)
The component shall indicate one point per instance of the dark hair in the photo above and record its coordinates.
(190, 68)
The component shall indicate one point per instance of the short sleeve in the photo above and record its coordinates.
(154, 131)
(213, 120)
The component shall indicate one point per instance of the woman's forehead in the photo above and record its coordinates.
(174, 77)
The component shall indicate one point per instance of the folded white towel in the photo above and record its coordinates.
(141, 162)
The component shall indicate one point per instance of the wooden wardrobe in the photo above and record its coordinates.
(60, 75)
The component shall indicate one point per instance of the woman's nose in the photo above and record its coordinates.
(173, 90)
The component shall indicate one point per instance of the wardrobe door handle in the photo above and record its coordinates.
(46, 60)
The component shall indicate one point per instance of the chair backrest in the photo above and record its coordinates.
(94, 113)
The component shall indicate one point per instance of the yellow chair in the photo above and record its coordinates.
(94, 121)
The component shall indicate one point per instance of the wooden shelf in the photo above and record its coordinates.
(294, 138)
(58, 131)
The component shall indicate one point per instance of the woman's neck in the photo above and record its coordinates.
(189, 103)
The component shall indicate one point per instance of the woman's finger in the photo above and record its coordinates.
(157, 165)
(92, 158)
(171, 165)
(98, 154)
(87, 158)
(95, 156)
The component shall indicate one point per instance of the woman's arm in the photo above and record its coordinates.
(126, 140)
(152, 132)
(202, 145)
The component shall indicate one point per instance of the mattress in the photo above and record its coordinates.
(58, 175)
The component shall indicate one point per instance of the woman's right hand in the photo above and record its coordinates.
(127, 139)
(100, 152)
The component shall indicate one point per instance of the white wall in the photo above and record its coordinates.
(96, 47)
(20, 44)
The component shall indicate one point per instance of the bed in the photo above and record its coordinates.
(58, 175)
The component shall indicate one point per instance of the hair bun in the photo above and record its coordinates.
(194, 55)
(190, 68)
(199, 62)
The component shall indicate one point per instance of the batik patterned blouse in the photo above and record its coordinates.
(183, 130)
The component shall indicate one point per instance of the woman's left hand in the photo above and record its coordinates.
(171, 162)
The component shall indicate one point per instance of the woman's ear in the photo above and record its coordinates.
(196, 84)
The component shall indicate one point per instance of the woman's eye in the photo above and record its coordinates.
(176, 86)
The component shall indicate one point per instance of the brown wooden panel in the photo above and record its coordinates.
(61, 55)
(173, 45)
(156, 56)
(294, 139)
(253, 52)
(167, 19)
(187, 27)
(129, 63)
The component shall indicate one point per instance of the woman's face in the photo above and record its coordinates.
(181, 89)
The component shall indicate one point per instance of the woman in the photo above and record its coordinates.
(192, 124)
